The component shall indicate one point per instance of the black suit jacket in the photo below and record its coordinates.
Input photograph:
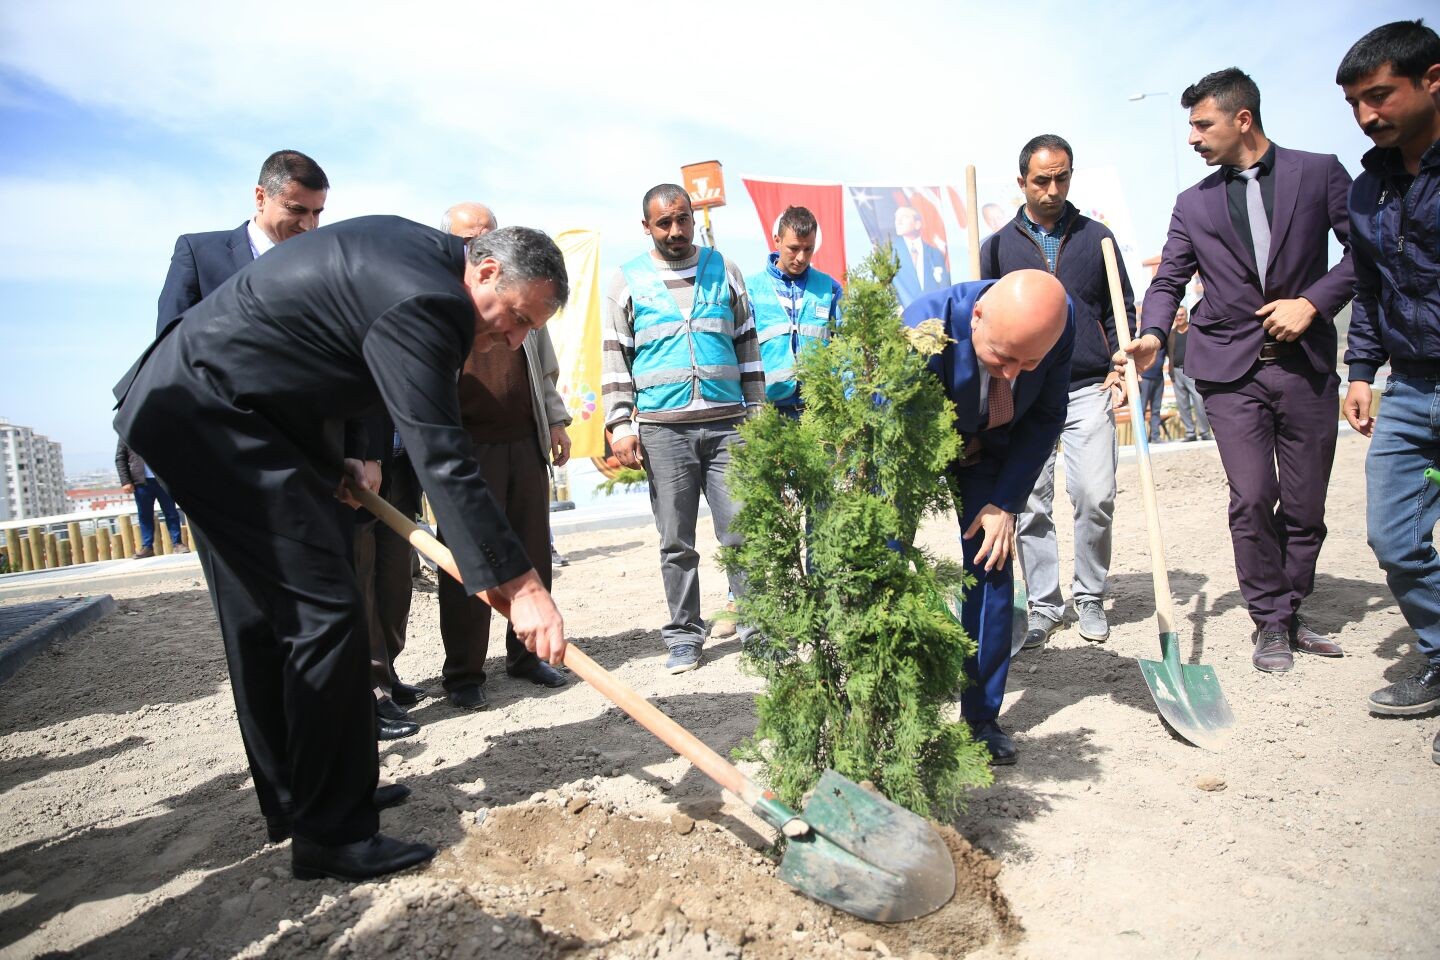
(200, 263)
(240, 403)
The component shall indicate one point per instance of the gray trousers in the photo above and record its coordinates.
(1091, 455)
(682, 461)
(1189, 404)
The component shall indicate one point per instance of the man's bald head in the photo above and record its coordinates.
(1017, 322)
(468, 220)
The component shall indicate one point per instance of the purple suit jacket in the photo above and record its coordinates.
(1226, 335)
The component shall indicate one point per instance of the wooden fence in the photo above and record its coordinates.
(46, 543)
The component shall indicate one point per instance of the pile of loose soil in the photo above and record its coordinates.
(576, 877)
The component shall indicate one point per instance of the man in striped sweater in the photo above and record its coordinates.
(682, 371)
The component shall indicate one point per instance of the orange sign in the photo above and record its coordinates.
(705, 183)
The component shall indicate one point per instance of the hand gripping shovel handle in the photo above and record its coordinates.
(674, 736)
(1164, 611)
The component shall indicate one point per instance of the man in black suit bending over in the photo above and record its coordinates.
(241, 408)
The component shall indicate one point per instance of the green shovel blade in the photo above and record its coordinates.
(868, 856)
(1188, 697)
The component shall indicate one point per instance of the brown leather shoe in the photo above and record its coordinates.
(1272, 652)
(1305, 640)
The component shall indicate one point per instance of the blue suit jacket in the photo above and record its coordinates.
(907, 285)
(200, 263)
(1042, 395)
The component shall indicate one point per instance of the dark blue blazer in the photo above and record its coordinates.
(1041, 395)
(200, 263)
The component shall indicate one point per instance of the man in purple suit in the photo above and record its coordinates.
(1262, 344)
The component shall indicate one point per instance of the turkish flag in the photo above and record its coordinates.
(771, 197)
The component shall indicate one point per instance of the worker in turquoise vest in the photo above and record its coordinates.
(681, 372)
(795, 305)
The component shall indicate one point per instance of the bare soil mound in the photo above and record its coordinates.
(577, 878)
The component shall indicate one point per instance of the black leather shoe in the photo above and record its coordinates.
(407, 694)
(541, 674)
(390, 795)
(469, 697)
(997, 741)
(394, 729)
(278, 828)
(364, 860)
(1404, 698)
(387, 709)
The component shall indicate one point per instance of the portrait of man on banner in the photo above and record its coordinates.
(908, 219)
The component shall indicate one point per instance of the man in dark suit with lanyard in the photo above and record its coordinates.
(1262, 344)
(1008, 374)
(241, 405)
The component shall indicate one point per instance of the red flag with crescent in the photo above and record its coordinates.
(825, 200)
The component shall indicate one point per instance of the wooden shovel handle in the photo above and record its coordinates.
(646, 714)
(1164, 611)
(972, 221)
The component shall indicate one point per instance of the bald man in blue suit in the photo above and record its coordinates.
(1008, 374)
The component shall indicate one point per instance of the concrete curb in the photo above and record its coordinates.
(92, 577)
(62, 624)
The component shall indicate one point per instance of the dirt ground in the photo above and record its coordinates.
(129, 828)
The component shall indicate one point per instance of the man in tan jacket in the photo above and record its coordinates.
(516, 419)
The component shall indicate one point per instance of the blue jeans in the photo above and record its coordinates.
(1402, 507)
(145, 496)
(1152, 393)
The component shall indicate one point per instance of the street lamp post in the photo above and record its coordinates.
(1174, 134)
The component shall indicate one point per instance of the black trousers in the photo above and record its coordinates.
(520, 483)
(277, 554)
(383, 569)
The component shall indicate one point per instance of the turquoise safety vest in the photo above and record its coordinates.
(672, 352)
(782, 339)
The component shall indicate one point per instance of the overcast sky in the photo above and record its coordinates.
(125, 125)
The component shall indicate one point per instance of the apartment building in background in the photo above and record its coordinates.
(32, 474)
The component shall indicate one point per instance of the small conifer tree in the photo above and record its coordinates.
(858, 647)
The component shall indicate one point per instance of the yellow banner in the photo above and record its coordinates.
(576, 332)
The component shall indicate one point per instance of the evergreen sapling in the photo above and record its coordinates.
(861, 654)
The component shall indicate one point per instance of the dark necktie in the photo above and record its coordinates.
(1259, 223)
(1001, 402)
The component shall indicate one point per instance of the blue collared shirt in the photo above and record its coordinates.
(1049, 240)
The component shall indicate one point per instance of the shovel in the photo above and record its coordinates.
(850, 848)
(1188, 695)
